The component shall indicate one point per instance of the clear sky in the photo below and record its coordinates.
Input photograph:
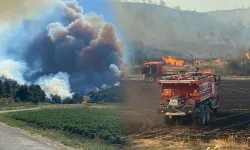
(204, 5)
(98, 6)
(101, 7)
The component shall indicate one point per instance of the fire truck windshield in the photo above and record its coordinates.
(145, 69)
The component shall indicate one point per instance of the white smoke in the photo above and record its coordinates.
(13, 70)
(115, 70)
(117, 84)
(57, 84)
(96, 89)
(104, 86)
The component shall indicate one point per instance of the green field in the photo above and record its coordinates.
(6, 104)
(99, 124)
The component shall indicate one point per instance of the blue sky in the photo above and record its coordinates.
(101, 7)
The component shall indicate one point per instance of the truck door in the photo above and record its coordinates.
(146, 69)
(154, 69)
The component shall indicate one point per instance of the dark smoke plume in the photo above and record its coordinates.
(75, 45)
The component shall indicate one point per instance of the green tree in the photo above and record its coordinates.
(36, 94)
(23, 93)
(1, 89)
(6, 89)
(56, 99)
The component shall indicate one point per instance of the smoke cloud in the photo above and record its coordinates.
(13, 70)
(57, 84)
(62, 49)
(115, 70)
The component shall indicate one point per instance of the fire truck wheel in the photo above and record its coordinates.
(215, 110)
(202, 119)
(151, 79)
(208, 115)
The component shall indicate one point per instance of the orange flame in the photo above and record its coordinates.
(173, 61)
(248, 55)
(218, 60)
(197, 61)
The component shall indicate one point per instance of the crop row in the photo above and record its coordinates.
(92, 123)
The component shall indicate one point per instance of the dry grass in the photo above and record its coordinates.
(230, 143)
(220, 144)
(156, 144)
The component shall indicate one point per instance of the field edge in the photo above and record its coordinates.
(58, 137)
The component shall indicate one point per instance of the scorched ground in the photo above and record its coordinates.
(233, 118)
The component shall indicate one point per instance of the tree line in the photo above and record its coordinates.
(34, 94)
(21, 93)
(114, 94)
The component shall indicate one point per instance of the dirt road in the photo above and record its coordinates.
(7, 111)
(15, 139)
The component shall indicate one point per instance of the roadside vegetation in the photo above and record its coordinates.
(90, 123)
(8, 104)
(99, 128)
(65, 137)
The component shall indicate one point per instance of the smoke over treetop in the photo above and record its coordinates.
(13, 70)
(81, 46)
(56, 84)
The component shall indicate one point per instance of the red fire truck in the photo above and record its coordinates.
(153, 70)
(192, 95)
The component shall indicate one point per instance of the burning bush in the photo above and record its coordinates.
(172, 61)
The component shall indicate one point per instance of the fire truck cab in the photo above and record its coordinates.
(152, 70)
(192, 95)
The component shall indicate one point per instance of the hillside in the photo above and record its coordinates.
(236, 17)
(158, 30)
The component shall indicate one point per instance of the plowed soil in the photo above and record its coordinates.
(142, 99)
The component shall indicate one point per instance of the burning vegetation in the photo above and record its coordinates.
(197, 62)
(247, 55)
(174, 62)
(218, 60)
